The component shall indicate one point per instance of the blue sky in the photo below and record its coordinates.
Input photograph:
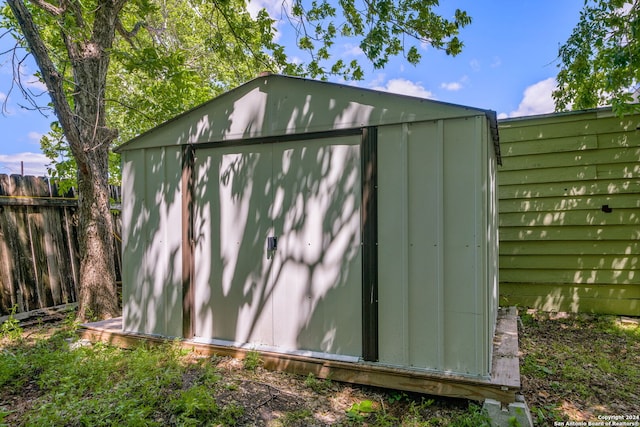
(508, 65)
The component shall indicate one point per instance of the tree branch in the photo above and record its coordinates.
(53, 79)
(48, 7)
(235, 34)
(129, 35)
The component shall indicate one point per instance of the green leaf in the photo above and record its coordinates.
(596, 64)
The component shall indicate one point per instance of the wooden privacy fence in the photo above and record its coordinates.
(39, 249)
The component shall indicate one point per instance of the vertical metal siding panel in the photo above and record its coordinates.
(423, 244)
(166, 232)
(479, 280)
(460, 261)
(493, 243)
(173, 251)
(136, 290)
(486, 330)
(369, 242)
(483, 327)
(403, 207)
(154, 266)
(206, 257)
(129, 245)
(392, 283)
(151, 247)
(433, 274)
(439, 154)
(231, 227)
(317, 274)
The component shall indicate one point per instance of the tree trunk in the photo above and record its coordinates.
(98, 298)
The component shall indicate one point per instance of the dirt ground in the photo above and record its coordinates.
(580, 368)
(270, 398)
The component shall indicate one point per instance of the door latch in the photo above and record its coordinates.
(272, 243)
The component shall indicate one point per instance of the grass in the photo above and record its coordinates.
(576, 367)
(47, 378)
(573, 368)
(252, 361)
(100, 385)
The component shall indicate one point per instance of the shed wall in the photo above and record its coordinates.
(559, 250)
(151, 241)
(436, 227)
(435, 282)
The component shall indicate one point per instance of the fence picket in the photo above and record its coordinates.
(39, 259)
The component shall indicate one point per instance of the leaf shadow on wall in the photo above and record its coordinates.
(569, 215)
(306, 295)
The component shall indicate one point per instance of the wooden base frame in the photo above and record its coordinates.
(503, 385)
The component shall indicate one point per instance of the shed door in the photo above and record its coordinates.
(305, 295)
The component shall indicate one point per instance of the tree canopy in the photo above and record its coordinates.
(114, 68)
(170, 56)
(600, 62)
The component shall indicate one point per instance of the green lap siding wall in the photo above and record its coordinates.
(569, 210)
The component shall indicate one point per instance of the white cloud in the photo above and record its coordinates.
(406, 87)
(34, 83)
(34, 163)
(455, 86)
(537, 99)
(474, 64)
(273, 7)
(452, 86)
(3, 96)
(34, 137)
(351, 50)
(496, 62)
(378, 80)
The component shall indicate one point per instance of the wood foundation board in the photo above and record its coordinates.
(503, 385)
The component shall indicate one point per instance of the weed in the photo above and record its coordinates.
(383, 419)
(71, 323)
(513, 422)
(193, 404)
(230, 415)
(317, 385)
(545, 415)
(210, 377)
(360, 410)
(397, 396)
(537, 365)
(10, 328)
(91, 315)
(3, 415)
(252, 360)
(416, 410)
(296, 417)
(474, 417)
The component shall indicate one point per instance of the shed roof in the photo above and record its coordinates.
(274, 105)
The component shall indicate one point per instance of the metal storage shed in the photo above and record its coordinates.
(305, 217)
